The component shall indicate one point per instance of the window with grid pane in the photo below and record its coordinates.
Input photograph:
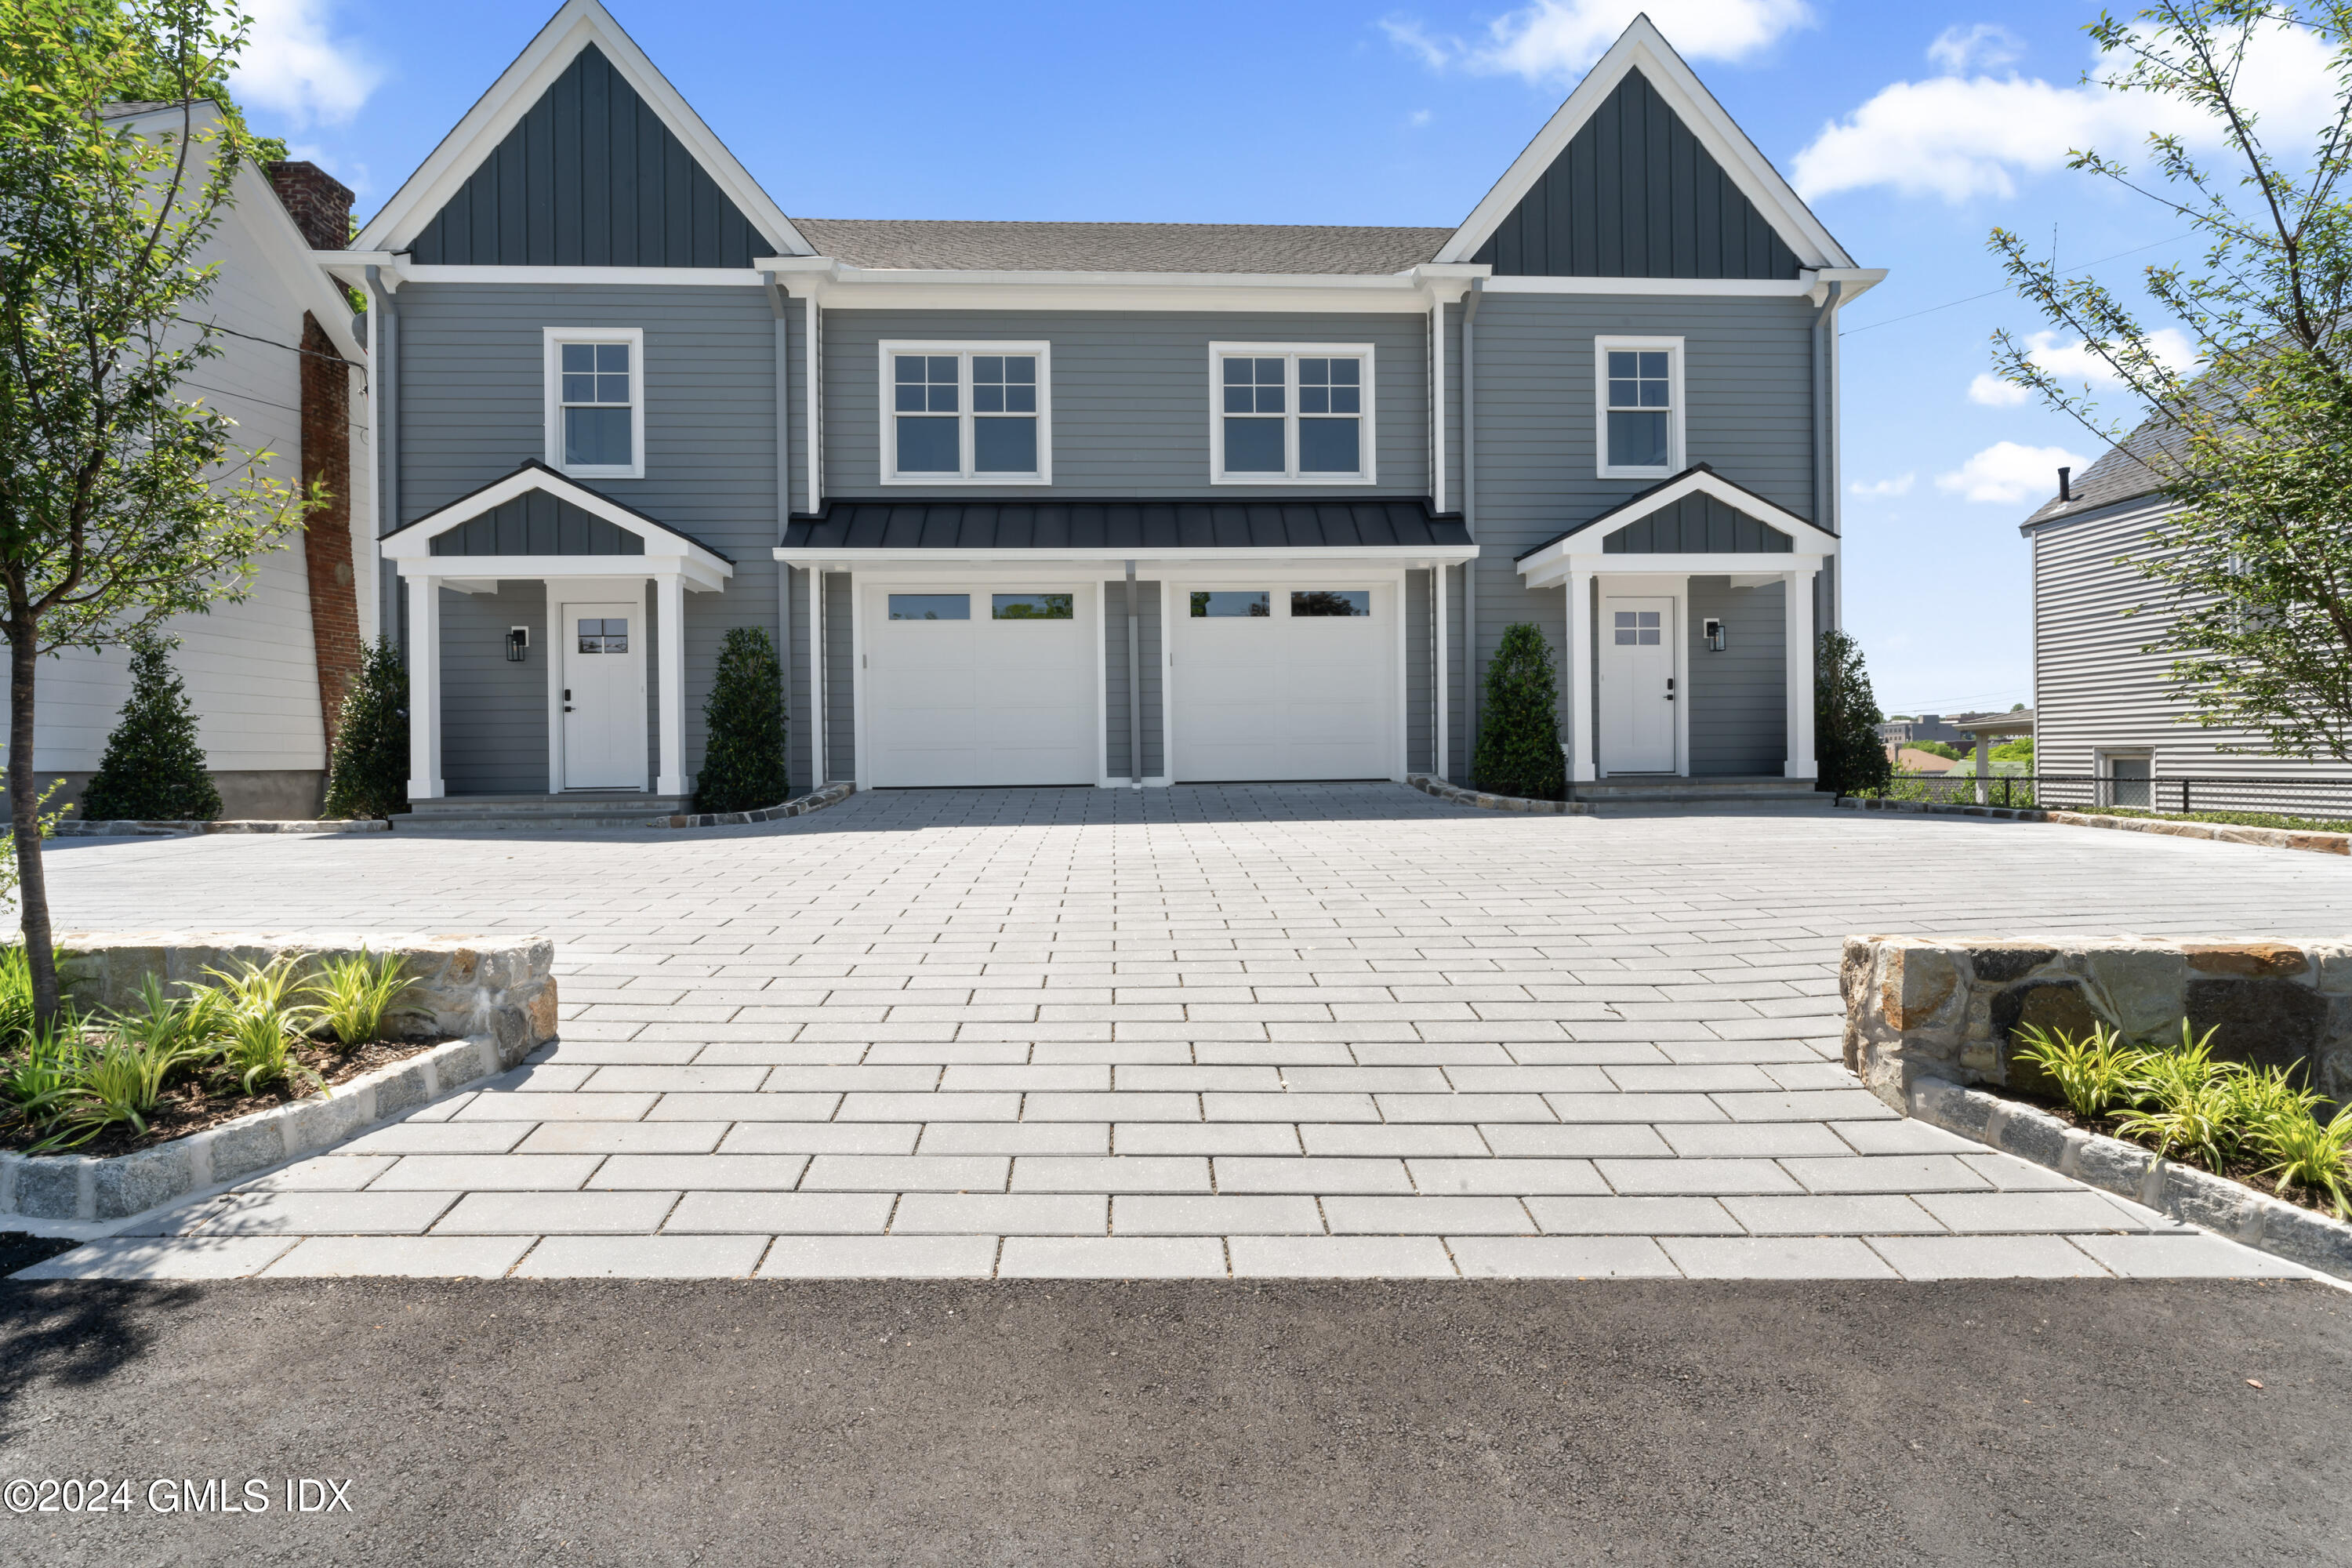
(971, 413)
(596, 397)
(1641, 417)
(1291, 415)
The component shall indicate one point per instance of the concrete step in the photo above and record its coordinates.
(1654, 790)
(478, 813)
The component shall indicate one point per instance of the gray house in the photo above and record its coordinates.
(1096, 503)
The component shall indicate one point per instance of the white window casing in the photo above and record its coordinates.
(595, 396)
(975, 386)
(1634, 397)
(1302, 389)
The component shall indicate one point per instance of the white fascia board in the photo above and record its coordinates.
(1752, 288)
(840, 559)
(540, 277)
(1642, 45)
(468, 572)
(520, 85)
(837, 285)
(1858, 282)
(1551, 567)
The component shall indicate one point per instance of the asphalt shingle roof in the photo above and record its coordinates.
(2120, 474)
(1121, 246)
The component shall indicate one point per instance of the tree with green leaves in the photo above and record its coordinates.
(1848, 756)
(367, 771)
(154, 769)
(743, 728)
(1518, 727)
(122, 502)
(2251, 441)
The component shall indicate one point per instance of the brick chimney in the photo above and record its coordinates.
(320, 203)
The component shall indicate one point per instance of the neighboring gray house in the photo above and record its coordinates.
(1097, 504)
(2104, 706)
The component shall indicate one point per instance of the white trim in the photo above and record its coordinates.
(812, 325)
(1290, 354)
(544, 277)
(844, 286)
(1797, 670)
(410, 549)
(547, 57)
(1643, 46)
(552, 341)
(1580, 672)
(1441, 754)
(669, 626)
(1583, 551)
(1676, 460)
(1437, 406)
(425, 689)
(967, 417)
(820, 759)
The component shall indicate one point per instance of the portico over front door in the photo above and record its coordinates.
(1637, 684)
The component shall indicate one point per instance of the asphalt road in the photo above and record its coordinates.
(518, 1422)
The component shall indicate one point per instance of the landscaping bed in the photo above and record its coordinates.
(2228, 818)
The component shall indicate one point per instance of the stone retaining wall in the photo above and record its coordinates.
(501, 995)
(1917, 1009)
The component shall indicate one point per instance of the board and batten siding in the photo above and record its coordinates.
(1747, 411)
(2095, 690)
(1130, 394)
(472, 407)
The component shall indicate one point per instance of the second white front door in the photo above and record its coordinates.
(604, 707)
(1637, 685)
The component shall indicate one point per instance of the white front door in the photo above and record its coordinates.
(604, 707)
(1637, 685)
(982, 685)
(1287, 680)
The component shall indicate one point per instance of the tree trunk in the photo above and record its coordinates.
(24, 816)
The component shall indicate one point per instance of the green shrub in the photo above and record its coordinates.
(261, 1025)
(368, 774)
(154, 769)
(2189, 1101)
(37, 1078)
(1518, 727)
(355, 996)
(2310, 1156)
(743, 728)
(1848, 755)
(120, 1078)
(2097, 1076)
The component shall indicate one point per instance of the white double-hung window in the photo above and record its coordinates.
(597, 402)
(967, 414)
(1290, 413)
(1638, 390)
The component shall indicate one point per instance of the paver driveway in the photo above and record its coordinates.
(1321, 1030)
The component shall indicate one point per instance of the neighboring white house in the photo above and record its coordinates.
(2104, 706)
(262, 674)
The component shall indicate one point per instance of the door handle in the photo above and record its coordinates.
(1670, 689)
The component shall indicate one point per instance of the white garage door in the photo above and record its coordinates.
(972, 686)
(1293, 680)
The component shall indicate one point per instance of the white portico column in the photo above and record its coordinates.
(1797, 589)
(425, 689)
(1577, 671)
(669, 598)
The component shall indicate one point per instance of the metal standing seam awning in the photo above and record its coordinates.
(1398, 529)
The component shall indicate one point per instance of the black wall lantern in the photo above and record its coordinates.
(518, 643)
(1711, 632)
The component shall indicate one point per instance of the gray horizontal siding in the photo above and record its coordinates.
(1738, 718)
(494, 713)
(1420, 690)
(472, 408)
(840, 677)
(1130, 393)
(1117, 734)
(2094, 687)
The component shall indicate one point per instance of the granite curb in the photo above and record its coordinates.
(2226, 833)
(1484, 802)
(815, 800)
(132, 829)
(88, 1188)
(2198, 1197)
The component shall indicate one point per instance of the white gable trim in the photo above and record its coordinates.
(1642, 45)
(668, 554)
(521, 85)
(1583, 550)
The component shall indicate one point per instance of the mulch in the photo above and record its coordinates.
(188, 1108)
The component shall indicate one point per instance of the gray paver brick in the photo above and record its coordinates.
(764, 1213)
(1562, 1258)
(642, 1257)
(821, 1138)
(1340, 1256)
(415, 1257)
(1117, 1174)
(1266, 1138)
(1585, 1141)
(1776, 1258)
(1360, 1216)
(879, 1258)
(297, 1214)
(1433, 1139)
(1003, 1214)
(519, 1213)
(1668, 1176)
(1247, 1174)
(1987, 1258)
(2193, 1255)
(1149, 1214)
(1111, 1257)
(623, 1138)
(1887, 1173)
(2021, 1212)
(161, 1258)
(907, 1173)
(1880, 1214)
(1633, 1216)
(487, 1173)
(1511, 1177)
(1016, 1138)
(676, 1172)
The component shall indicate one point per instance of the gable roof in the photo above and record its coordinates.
(1644, 48)
(518, 89)
(957, 246)
(1699, 479)
(413, 540)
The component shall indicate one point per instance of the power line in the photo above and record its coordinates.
(1989, 293)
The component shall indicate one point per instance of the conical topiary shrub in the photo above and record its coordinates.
(368, 775)
(1518, 729)
(1849, 756)
(743, 728)
(154, 769)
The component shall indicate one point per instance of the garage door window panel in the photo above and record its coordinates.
(1209, 605)
(1318, 601)
(1032, 606)
(930, 606)
(967, 413)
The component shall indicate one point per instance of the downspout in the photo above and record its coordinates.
(1825, 460)
(385, 401)
(1134, 684)
(1470, 522)
(783, 321)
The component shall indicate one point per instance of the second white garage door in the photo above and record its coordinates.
(980, 686)
(1286, 681)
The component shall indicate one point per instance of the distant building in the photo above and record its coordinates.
(1926, 727)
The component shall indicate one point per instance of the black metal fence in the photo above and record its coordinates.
(2327, 799)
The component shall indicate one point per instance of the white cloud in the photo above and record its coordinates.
(2008, 473)
(293, 67)
(2075, 364)
(1419, 118)
(1900, 485)
(1959, 136)
(1555, 38)
(1987, 44)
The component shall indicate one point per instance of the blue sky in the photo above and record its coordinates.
(1913, 128)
